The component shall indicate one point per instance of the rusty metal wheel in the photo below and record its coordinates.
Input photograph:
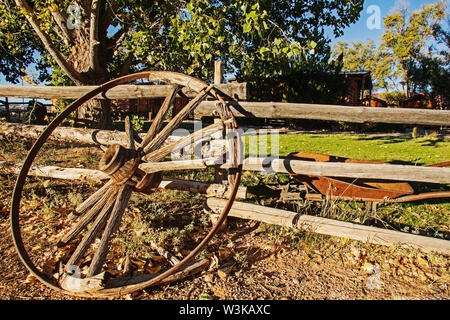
(134, 167)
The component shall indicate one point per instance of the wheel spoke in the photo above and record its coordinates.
(108, 195)
(174, 123)
(152, 167)
(112, 225)
(89, 202)
(92, 232)
(161, 153)
(130, 133)
(157, 122)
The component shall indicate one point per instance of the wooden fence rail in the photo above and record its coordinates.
(330, 169)
(331, 227)
(269, 110)
(235, 90)
(275, 110)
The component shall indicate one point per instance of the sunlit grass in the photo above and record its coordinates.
(399, 150)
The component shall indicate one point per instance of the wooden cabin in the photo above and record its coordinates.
(418, 101)
(149, 107)
(357, 87)
(374, 102)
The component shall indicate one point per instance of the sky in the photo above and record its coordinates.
(360, 30)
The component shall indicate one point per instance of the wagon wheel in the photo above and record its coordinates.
(136, 167)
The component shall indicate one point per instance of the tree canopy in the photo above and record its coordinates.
(407, 53)
(87, 42)
(91, 41)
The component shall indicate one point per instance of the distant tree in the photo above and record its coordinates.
(431, 75)
(404, 55)
(406, 37)
(365, 56)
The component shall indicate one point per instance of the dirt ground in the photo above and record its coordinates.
(341, 269)
(249, 260)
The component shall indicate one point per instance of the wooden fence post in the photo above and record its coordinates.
(220, 175)
(7, 108)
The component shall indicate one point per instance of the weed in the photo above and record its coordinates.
(241, 260)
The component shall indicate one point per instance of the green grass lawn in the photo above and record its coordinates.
(430, 217)
(398, 150)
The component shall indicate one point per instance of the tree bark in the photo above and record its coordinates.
(95, 114)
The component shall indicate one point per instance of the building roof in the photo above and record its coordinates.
(360, 75)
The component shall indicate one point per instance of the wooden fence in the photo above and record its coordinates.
(274, 110)
(268, 110)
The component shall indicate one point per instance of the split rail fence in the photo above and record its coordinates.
(268, 110)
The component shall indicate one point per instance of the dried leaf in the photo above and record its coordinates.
(152, 270)
(138, 263)
(158, 258)
(367, 267)
(31, 279)
(421, 262)
(37, 247)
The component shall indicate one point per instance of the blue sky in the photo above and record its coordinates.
(360, 31)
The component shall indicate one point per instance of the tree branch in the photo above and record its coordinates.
(60, 21)
(110, 13)
(48, 44)
(94, 42)
(118, 37)
(124, 69)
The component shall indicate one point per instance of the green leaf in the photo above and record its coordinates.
(262, 50)
(190, 7)
(252, 15)
(312, 44)
(247, 28)
(205, 296)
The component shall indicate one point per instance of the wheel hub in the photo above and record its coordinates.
(119, 163)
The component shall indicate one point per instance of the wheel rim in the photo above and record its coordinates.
(181, 80)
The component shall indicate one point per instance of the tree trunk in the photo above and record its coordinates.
(95, 114)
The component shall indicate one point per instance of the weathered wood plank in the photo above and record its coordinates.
(70, 134)
(275, 110)
(331, 227)
(353, 170)
(112, 225)
(210, 189)
(237, 90)
(151, 167)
